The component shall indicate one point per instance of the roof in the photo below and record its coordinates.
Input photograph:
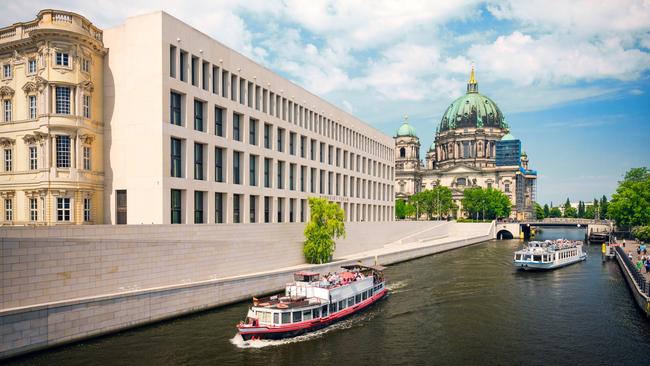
(406, 130)
(306, 273)
(508, 137)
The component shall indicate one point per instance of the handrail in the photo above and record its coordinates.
(639, 279)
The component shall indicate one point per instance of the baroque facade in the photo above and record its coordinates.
(51, 129)
(472, 148)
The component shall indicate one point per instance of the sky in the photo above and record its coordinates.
(571, 77)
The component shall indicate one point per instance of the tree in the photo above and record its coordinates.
(327, 222)
(630, 205)
(566, 206)
(570, 212)
(603, 207)
(555, 212)
(642, 233)
(435, 202)
(400, 209)
(581, 209)
(547, 211)
(590, 211)
(485, 203)
(409, 210)
(539, 211)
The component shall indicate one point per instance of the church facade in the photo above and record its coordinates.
(472, 148)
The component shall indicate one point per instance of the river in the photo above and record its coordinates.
(463, 307)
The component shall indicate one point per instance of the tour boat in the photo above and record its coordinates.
(549, 254)
(314, 302)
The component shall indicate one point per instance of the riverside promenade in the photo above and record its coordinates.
(61, 285)
(637, 279)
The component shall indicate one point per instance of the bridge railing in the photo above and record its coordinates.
(639, 279)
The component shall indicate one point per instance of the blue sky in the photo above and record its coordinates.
(572, 77)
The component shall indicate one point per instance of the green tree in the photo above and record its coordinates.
(433, 202)
(547, 210)
(555, 212)
(409, 210)
(566, 206)
(630, 205)
(400, 209)
(570, 212)
(603, 207)
(327, 222)
(539, 211)
(485, 203)
(590, 211)
(581, 209)
(642, 233)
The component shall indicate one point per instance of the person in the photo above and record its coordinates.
(629, 255)
(639, 265)
(623, 243)
(647, 266)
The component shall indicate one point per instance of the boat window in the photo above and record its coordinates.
(264, 317)
(286, 318)
(276, 318)
(370, 292)
(350, 301)
(364, 295)
(306, 315)
(324, 311)
(342, 305)
(297, 316)
(315, 313)
(537, 258)
(333, 307)
(357, 298)
(517, 257)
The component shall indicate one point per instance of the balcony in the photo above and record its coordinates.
(50, 20)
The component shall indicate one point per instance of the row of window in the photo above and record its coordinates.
(61, 104)
(64, 210)
(63, 155)
(335, 183)
(61, 59)
(207, 76)
(258, 211)
(294, 144)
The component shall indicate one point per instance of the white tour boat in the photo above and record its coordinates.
(549, 254)
(313, 302)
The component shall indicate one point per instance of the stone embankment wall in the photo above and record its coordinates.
(65, 284)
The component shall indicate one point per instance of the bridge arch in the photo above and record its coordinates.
(504, 234)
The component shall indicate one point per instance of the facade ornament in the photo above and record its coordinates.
(87, 139)
(6, 141)
(6, 91)
(8, 194)
(30, 87)
(87, 86)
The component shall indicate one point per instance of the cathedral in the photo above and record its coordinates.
(472, 148)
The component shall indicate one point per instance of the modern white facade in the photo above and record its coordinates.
(198, 133)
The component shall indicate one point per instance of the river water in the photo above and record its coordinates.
(463, 307)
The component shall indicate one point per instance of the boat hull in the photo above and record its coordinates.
(547, 266)
(297, 329)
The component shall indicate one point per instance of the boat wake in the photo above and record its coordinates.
(239, 342)
(396, 287)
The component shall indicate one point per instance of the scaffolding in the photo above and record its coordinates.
(508, 153)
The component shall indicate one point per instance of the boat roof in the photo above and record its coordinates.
(306, 273)
(361, 266)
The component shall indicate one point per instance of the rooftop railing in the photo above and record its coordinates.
(51, 19)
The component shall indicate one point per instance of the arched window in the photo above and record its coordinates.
(402, 152)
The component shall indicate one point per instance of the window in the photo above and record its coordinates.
(87, 209)
(267, 209)
(286, 318)
(215, 79)
(236, 174)
(62, 151)
(176, 158)
(267, 172)
(506, 187)
(224, 84)
(9, 209)
(218, 208)
(176, 113)
(253, 209)
(33, 209)
(7, 110)
(172, 61)
(183, 66)
(120, 206)
(63, 209)
(205, 75)
(198, 161)
(86, 106)
(198, 115)
(176, 206)
(62, 100)
(267, 135)
(252, 179)
(6, 71)
(280, 139)
(198, 207)
(296, 316)
(62, 59)
(292, 143)
(86, 157)
(252, 131)
(218, 121)
(85, 65)
(303, 170)
(195, 70)
(32, 107)
(303, 142)
(33, 158)
(236, 127)
(236, 198)
(280, 209)
(280, 183)
(292, 175)
(218, 164)
(31, 66)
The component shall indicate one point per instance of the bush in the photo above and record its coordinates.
(327, 222)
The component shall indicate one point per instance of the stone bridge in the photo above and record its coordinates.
(508, 230)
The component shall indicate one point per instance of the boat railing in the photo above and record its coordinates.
(638, 277)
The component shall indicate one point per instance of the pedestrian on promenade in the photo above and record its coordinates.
(623, 243)
(639, 265)
(647, 266)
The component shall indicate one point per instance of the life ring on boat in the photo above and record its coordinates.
(282, 306)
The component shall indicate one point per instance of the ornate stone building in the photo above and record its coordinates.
(472, 148)
(51, 129)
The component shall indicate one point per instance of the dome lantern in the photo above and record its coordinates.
(472, 85)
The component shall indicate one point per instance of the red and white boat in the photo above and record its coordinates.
(314, 302)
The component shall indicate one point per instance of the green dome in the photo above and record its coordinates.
(508, 137)
(406, 130)
(433, 146)
(473, 110)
